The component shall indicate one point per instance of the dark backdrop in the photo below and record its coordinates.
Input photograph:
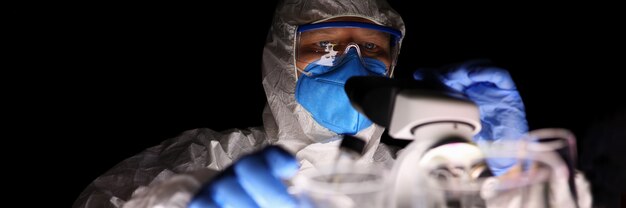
(105, 81)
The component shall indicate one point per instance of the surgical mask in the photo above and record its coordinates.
(320, 90)
(333, 52)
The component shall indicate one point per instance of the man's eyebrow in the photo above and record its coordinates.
(321, 32)
(373, 33)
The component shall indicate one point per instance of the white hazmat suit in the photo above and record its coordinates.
(170, 173)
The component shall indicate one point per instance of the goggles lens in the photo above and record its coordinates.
(324, 43)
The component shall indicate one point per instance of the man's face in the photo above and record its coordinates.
(374, 44)
(314, 44)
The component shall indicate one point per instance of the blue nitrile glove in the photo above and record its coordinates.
(252, 181)
(502, 113)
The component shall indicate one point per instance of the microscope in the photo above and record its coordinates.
(439, 121)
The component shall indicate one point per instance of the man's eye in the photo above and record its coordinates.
(369, 46)
(323, 44)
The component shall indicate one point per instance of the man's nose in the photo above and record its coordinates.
(352, 46)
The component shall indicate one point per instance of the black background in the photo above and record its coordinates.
(98, 83)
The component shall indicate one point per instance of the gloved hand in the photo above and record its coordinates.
(252, 181)
(502, 113)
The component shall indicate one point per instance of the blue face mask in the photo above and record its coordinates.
(321, 91)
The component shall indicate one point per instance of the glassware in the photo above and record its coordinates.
(346, 185)
(539, 177)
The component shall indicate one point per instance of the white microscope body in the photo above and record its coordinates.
(431, 120)
(440, 123)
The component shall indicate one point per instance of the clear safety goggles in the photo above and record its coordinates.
(324, 43)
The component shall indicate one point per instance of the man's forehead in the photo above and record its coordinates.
(346, 31)
(350, 19)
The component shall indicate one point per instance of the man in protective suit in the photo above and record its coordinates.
(313, 47)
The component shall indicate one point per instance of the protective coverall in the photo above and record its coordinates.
(193, 157)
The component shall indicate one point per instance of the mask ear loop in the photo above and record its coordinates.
(308, 74)
(393, 63)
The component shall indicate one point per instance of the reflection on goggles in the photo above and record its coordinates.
(321, 43)
(328, 58)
